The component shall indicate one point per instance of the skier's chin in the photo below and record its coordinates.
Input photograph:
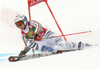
(21, 28)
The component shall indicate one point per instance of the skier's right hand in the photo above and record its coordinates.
(22, 54)
(31, 39)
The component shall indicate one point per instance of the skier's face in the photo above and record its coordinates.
(20, 25)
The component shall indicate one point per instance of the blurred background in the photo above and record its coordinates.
(72, 15)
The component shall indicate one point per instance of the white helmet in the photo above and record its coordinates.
(22, 18)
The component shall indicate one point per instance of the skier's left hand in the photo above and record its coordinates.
(22, 54)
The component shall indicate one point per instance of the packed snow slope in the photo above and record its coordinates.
(72, 15)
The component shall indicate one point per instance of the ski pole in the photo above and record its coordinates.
(55, 20)
(64, 35)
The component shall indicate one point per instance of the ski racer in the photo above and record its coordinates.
(31, 31)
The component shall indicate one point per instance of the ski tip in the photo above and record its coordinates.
(13, 58)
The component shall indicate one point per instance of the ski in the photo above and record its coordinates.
(33, 56)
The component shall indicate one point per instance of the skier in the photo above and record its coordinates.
(33, 30)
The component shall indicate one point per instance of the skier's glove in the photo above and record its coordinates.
(31, 39)
(22, 54)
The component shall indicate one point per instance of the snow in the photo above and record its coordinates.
(72, 15)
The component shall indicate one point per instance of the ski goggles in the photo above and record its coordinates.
(20, 23)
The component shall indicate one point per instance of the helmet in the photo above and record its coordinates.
(21, 17)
